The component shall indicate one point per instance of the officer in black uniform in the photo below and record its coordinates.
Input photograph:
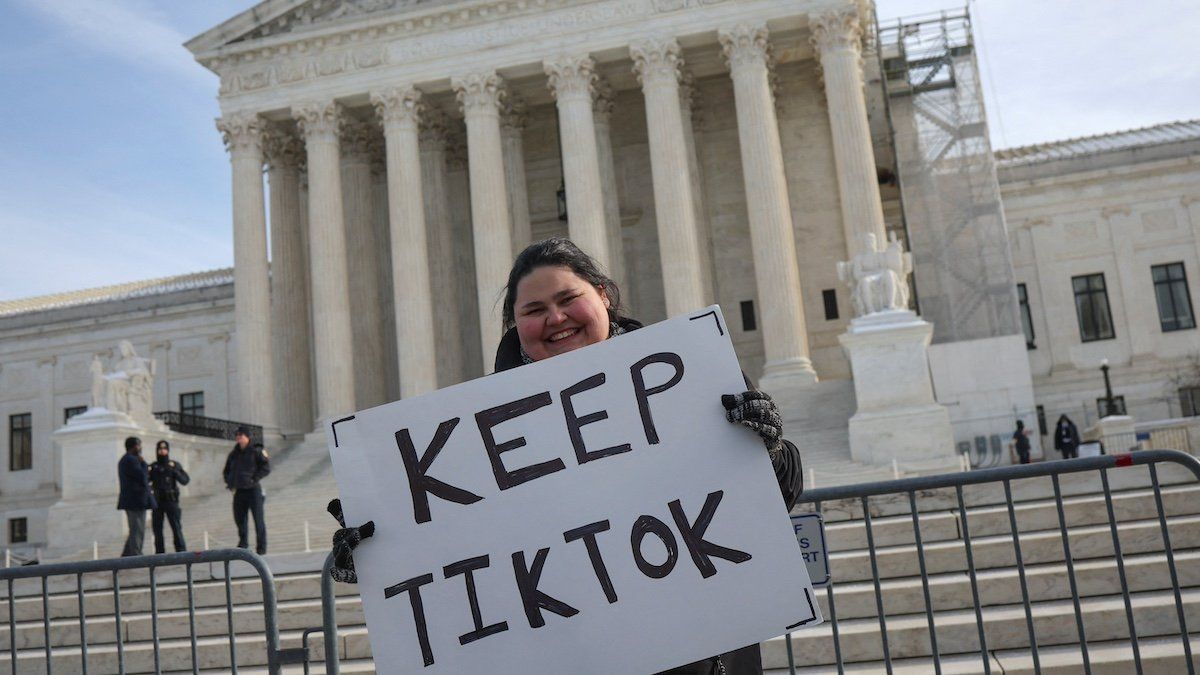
(166, 475)
(246, 465)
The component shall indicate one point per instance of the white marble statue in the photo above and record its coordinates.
(129, 388)
(877, 277)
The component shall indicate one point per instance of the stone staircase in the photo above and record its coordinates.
(908, 635)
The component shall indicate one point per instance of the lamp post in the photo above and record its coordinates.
(1108, 395)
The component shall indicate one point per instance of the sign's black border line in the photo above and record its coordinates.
(333, 428)
(713, 313)
(811, 609)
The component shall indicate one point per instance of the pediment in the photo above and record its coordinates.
(274, 18)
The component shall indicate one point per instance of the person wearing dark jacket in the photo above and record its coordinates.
(135, 496)
(1066, 437)
(247, 465)
(557, 300)
(166, 475)
(1021, 442)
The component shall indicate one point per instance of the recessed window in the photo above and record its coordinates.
(749, 321)
(1091, 307)
(18, 530)
(68, 413)
(1189, 401)
(1026, 316)
(1174, 301)
(829, 296)
(192, 403)
(1118, 405)
(1041, 415)
(20, 442)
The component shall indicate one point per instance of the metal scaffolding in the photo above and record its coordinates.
(947, 177)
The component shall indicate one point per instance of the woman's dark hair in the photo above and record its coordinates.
(558, 252)
(162, 444)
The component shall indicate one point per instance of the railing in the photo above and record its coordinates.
(209, 427)
(57, 646)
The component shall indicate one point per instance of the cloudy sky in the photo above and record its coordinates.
(111, 170)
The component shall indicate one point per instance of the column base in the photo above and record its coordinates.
(779, 377)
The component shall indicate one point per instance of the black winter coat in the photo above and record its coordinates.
(1066, 435)
(135, 484)
(789, 473)
(244, 468)
(165, 479)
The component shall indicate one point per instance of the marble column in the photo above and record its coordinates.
(362, 264)
(571, 79)
(388, 364)
(836, 38)
(440, 248)
(289, 292)
(602, 107)
(656, 63)
(480, 95)
(243, 134)
(512, 128)
(687, 100)
(400, 109)
(772, 239)
(333, 343)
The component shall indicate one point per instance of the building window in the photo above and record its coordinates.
(1118, 406)
(1026, 316)
(1174, 301)
(18, 530)
(20, 442)
(1189, 401)
(1041, 415)
(192, 403)
(831, 309)
(749, 321)
(1091, 306)
(68, 413)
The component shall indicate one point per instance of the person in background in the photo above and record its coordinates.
(558, 300)
(1021, 442)
(166, 475)
(1066, 437)
(246, 465)
(135, 496)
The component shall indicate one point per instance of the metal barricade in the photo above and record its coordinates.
(64, 653)
(990, 500)
(1007, 500)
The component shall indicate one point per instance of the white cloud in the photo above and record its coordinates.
(127, 30)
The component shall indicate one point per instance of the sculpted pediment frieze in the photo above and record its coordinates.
(319, 13)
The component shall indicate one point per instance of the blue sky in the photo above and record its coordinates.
(111, 169)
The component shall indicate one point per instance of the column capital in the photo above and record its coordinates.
(319, 119)
(358, 140)
(283, 148)
(479, 93)
(745, 45)
(571, 76)
(656, 60)
(241, 132)
(512, 114)
(835, 30)
(602, 102)
(433, 126)
(398, 105)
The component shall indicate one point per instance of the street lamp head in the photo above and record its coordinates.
(1103, 363)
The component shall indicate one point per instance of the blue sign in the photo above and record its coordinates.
(810, 534)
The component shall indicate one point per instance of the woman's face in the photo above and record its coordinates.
(557, 311)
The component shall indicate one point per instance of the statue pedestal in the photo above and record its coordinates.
(897, 417)
(90, 445)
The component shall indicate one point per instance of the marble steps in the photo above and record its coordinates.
(1114, 657)
(1005, 626)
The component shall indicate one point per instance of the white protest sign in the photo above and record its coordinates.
(590, 513)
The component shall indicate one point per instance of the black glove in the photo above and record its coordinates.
(756, 411)
(344, 542)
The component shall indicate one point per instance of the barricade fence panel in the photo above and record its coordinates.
(167, 612)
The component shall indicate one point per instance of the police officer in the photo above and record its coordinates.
(166, 475)
(246, 465)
